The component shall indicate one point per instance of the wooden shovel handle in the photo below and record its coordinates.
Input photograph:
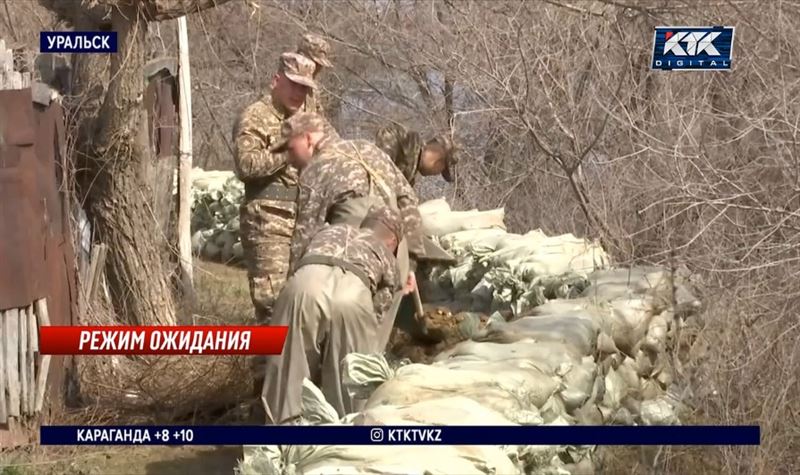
(418, 304)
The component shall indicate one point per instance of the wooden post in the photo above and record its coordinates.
(3, 404)
(185, 162)
(44, 366)
(11, 347)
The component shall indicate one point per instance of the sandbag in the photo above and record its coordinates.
(573, 329)
(412, 460)
(547, 356)
(439, 205)
(457, 410)
(504, 389)
(476, 241)
(440, 224)
(362, 374)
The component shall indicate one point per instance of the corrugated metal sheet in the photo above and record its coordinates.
(36, 255)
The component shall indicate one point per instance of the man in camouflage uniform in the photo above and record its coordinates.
(340, 180)
(333, 305)
(406, 149)
(315, 48)
(268, 210)
(335, 174)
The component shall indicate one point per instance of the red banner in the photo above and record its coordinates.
(162, 340)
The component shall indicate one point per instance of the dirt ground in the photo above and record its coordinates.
(223, 297)
(152, 460)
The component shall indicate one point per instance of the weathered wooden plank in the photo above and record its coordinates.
(11, 343)
(44, 367)
(3, 403)
(33, 349)
(22, 346)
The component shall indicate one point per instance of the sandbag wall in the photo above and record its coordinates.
(216, 196)
(587, 344)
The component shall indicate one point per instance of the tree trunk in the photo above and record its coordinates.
(113, 151)
(120, 198)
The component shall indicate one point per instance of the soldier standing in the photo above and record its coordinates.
(333, 305)
(406, 149)
(315, 48)
(267, 214)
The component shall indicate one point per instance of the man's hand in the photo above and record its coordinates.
(411, 284)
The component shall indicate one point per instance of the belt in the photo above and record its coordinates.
(335, 262)
(274, 191)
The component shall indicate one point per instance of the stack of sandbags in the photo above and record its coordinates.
(591, 347)
(216, 196)
(499, 270)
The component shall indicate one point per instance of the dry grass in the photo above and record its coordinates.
(164, 389)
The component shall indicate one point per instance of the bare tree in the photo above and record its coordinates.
(114, 150)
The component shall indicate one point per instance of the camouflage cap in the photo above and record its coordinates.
(300, 123)
(316, 48)
(388, 217)
(450, 156)
(298, 69)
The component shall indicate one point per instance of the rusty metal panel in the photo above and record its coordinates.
(23, 277)
(62, 293)
(167, 117)
(161, 104)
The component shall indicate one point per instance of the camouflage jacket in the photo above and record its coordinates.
(257, 128)
(338, 173)
(314, 103)
(403, 147)
(362, 249)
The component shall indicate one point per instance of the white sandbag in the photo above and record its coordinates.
(629, 321)
(513, 240)
(656, 339)
(457, 410)
(578, 383)
(574, 329)
(584, 306)
(436, 206)
(362, 374)
(547, 356)
(477, 241)
(505, 389)
(610, 284)
(315, 408)
(657, 412)
(260, 460)
(412, 460)
(446, 223)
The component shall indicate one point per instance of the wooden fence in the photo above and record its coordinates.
(37, 277)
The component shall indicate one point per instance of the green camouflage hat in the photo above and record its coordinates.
(316, 48)
(300, 123)
(298, 69)
(450, 156)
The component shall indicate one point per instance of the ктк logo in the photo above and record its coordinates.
(693, 48)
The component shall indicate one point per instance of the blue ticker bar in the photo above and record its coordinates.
(400, 435)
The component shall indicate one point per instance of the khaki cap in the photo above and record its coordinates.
(450, 156)
(300, 123)
(388, 217)
(298, 69)
(315, 47)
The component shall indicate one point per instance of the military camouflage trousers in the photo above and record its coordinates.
(266, 228)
